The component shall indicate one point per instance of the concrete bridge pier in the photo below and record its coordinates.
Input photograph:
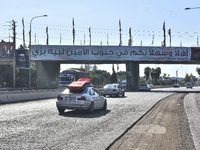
(132, 76)
(47, 74)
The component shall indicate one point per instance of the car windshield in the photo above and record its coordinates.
(143, 85)
(65, 79)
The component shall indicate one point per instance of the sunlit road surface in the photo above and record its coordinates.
(38, 125)
(180, 89)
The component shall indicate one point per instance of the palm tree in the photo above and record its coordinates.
(198, 70)
(155, 74)
(158, 72)
(147, 72)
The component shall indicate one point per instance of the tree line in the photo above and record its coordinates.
(99, 77)
(22, 76)
(152, 76)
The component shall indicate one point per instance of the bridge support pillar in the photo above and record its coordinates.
(132, 76)
(47, 74)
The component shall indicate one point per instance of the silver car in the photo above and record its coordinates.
(113, 89)
(87, 99)
(145, 87)
(189, 85)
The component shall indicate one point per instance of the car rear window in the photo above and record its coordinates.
(67, 91)
(115, 86)
(108, 86)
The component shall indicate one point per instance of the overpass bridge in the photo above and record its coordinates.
(49, 57)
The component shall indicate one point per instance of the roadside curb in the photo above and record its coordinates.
(191, 107)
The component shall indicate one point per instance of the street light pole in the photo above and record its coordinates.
(30, 48)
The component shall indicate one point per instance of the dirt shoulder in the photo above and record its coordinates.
(165, 126)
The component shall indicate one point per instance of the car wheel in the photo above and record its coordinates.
(91, 108)
(117, 95)
(105, 105)
(123, 94)
(61, 110)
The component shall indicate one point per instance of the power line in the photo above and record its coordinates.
(101, 31)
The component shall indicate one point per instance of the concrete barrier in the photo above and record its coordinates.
(27, 95)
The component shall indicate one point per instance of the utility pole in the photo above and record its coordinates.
(14, 52)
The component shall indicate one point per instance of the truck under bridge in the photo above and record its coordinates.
(49, 57)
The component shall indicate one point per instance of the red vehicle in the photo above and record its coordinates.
(81, 95)
(80, 84)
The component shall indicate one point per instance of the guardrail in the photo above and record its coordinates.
(27, 95)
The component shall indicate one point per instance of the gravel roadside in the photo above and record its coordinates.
(165, 126)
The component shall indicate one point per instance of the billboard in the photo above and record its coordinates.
(22, 58)
(6, 49)
(195, 54)
(115, 53)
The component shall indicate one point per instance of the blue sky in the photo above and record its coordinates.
(144, 17)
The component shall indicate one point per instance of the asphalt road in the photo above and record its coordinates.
(37, 124)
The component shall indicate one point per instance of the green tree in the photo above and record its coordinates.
(99, 77)
(88, 67)
(155, 74)
(187, 78)
(193, 79)
(6, 76)
(198, 70)
(22, 77)
(147, 72)
(165, 76)
(158, 72)
(122, 75)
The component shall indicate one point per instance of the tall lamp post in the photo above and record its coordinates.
(30, 48)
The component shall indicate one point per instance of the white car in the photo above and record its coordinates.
(189, 85)
(176, 85)
(113, 89)
(85, 99)
(145, 87)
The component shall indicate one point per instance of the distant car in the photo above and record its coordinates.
(145, 87)
(189, 85)
(176, 85)
(80, 97)
(113, 89)
(124, 83)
